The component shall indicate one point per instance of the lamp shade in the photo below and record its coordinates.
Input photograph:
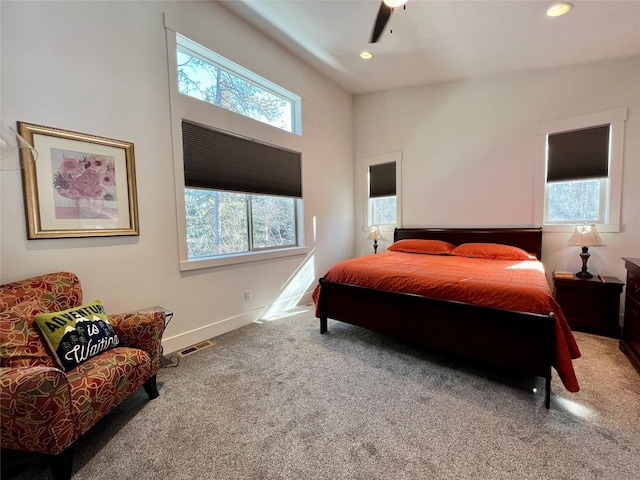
(375, 233)
(585, 236)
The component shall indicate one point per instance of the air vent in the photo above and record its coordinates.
(195, 348)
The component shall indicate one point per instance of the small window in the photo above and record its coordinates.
(581, 158)
(382, 194)
(209, 77)
(383, 191)
(577, 176)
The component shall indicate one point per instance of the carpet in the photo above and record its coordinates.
(277, 400)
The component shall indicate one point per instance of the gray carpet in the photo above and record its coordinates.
(277, 400)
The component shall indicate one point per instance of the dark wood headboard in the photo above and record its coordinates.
(529, 239)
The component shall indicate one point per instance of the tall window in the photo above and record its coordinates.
(241, 199)
(382, 194)
(582, 163)
(381, 175)
(207, 76)
(240, 195)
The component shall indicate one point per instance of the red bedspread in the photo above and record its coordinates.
(516, 285)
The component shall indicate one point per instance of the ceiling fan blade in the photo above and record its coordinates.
(381, 21)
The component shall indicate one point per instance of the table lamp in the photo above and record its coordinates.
(374, 235)
(585, 236)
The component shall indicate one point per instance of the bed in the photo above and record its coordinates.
(456, 301)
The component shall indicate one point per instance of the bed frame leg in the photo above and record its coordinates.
(547, 391)
(323, 324)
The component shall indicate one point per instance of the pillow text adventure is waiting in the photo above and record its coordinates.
(77, 334)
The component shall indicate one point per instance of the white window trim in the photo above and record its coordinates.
(616, 117)
(183, 106)
(376, 160)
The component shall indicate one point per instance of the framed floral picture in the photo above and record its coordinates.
(78, 186)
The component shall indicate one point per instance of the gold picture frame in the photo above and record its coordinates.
(79, 186)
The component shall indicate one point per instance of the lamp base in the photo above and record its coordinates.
(584, 275)
(584, 255)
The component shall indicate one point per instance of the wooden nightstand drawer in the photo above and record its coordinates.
(590, 305)
(630, 340)
(633, 287)
(632, 326)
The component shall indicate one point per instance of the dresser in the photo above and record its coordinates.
(630, 339)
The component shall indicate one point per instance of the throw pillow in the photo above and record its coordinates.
(77, 334)
(433, 247)
(494, 251)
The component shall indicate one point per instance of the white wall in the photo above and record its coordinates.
(469, 151)
(101, 68)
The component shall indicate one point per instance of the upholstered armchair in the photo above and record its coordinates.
(45, 405)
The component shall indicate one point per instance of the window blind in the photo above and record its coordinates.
(579, 154)
(382, 180)
(222, 161)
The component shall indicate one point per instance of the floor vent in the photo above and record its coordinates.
(195, 348)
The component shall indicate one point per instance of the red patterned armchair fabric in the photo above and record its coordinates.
(43, 409)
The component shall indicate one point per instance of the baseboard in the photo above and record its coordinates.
(184, 340)
(187, 339)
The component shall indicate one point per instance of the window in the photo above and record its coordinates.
(240, 195)
(222, 223)
(382, 193)
(577, 175)
(206, 76)
(582, 163)
(383, 190)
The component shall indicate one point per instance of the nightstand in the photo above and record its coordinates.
(590, 305)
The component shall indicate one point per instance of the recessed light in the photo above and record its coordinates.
(366, 55)
(558, 9)
(394, 3)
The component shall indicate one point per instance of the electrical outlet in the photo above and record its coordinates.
(247, 295)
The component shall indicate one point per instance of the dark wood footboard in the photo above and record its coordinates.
(514, 340)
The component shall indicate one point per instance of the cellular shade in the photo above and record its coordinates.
(382, 180)
(222, 161)
(579, 154)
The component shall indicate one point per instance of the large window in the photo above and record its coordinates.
(582, 163)
(240, 195)
(222, 223)
(239, 179)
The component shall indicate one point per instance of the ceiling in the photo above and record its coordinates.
(439, 41)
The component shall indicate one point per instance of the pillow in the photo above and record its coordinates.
(433, 247)
(494, 251)
(77, 334)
